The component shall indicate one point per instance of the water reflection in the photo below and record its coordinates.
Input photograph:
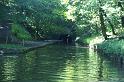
(8, 68)
(59, 63)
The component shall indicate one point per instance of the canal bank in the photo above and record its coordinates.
(23, 47)
(112, 49)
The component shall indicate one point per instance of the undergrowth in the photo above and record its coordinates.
(20, 33)
(112, 46)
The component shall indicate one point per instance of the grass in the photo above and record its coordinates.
(11, 46)
(20, 32)
(112, 47)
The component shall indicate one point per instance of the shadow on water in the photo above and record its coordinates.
(59, 63)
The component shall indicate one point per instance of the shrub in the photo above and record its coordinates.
(20, 32)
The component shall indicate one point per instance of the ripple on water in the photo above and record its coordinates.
(59, 63)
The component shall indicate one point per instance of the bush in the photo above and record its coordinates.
(20, 33)
(112, 47)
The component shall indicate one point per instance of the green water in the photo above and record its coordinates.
(59, 63)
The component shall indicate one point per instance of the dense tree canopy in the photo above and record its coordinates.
(54, 19)
(97, 16)
(43, 19)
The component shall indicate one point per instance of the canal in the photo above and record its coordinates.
(59, 63)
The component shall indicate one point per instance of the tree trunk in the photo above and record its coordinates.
(120, 4)
(122, 21)
(103, 28)
(111, 25)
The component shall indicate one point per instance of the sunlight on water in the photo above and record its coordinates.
(9, 70)
(59, 63)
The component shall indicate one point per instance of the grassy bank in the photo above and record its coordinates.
(112, 50)
(10, 46)
(20, 32)
(112, 47)
(28, 46)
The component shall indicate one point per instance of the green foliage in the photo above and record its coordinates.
(50, 18)
(20, 32)
(55, 32)
(86, 15)
(87, 39)
(46, 18)
(112, 47)
(43, 18)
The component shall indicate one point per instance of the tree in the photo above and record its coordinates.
(43, 19)
(103, 28)
(88, 12)
(121, 5)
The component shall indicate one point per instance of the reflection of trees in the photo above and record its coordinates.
(93, 64)
(25, 66)
(100, 69)
(1, 69)
(98, 63)
(8, 68)
(42, 64)
(53, 61)
(107, 69)
(77, 67)
(57, 64)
